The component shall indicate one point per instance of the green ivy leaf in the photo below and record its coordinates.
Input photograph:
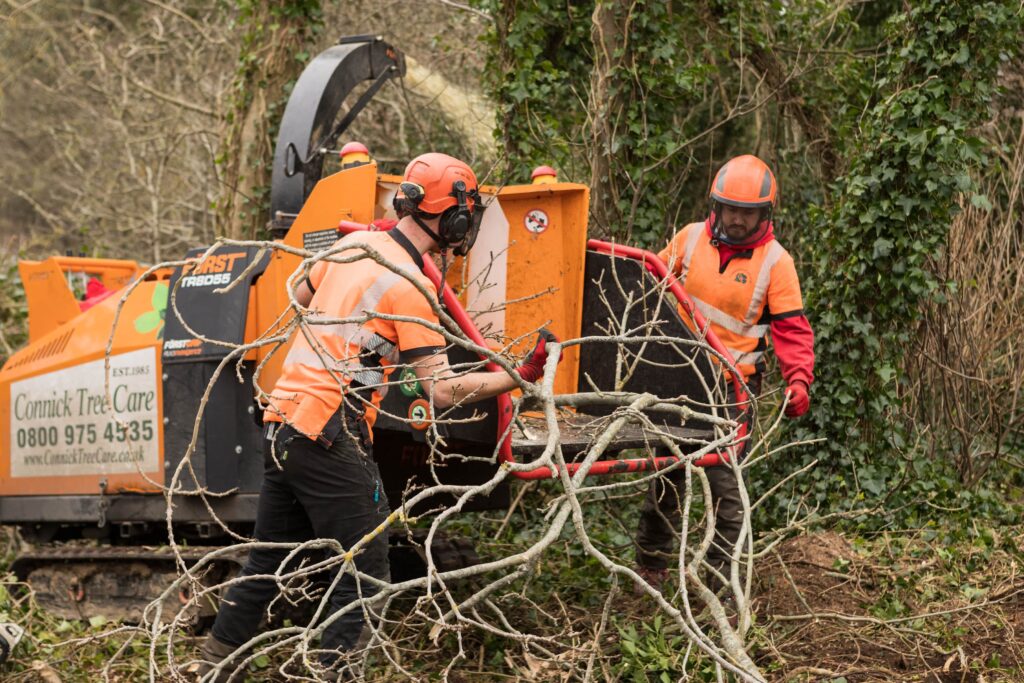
(882, 248)
(982, 202)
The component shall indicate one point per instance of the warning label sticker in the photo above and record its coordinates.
(318, 240)
(536, 221)
(62, 423)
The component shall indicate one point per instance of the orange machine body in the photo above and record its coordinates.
(58, 432)
(61, 435)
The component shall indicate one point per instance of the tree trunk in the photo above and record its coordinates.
(504, 17)
(272, 35)
(609, 40)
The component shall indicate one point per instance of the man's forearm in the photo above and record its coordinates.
(793, 340)
(471, 387)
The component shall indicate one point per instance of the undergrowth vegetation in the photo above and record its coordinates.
(934, 600)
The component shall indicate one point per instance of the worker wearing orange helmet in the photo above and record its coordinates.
(320, 478)
(745, 284)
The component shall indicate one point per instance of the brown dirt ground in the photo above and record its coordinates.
(828, 577)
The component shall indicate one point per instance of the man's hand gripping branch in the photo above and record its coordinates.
(436, 377)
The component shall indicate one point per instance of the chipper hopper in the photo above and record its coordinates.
(113, 391)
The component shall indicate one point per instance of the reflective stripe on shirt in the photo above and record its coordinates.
(723, 319)
(764, 276)
(691, 245)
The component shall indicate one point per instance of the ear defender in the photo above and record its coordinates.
(460, 223)
(408, 198)
(455, 220)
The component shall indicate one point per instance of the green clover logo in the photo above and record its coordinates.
(154, 319)
(409, 383)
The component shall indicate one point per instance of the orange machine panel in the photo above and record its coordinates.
(49, 294)
(349, 194)
(50, 300)
(526, 269)
(58, 432)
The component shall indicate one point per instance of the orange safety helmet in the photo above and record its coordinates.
(437, 184)
(436, 173)
(744, 181)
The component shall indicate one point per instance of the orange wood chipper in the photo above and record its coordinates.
(88, 436)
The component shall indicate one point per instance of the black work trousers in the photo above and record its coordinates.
(317, 492)
(660, 516)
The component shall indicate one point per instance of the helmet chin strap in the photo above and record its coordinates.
(443, 244)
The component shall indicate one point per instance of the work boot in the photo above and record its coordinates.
(212, 653)
(655, 577)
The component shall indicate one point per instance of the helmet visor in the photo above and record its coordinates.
(739, 232)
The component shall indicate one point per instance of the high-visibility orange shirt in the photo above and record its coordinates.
(739, 298)
(349, 341)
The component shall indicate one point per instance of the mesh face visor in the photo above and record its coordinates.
(764, 221)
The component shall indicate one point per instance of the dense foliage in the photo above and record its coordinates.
(870, 115)
(617, 95)
(912, 158)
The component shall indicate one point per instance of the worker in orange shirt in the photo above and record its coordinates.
(320, 478)
(745, 284)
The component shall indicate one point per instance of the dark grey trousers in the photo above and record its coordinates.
(318, 492)
(660, 516)
(660, 519)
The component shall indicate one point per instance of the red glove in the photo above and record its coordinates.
(799, 401)
(532, 369)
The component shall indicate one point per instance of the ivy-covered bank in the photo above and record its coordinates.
(869, 277)
(870, 116)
